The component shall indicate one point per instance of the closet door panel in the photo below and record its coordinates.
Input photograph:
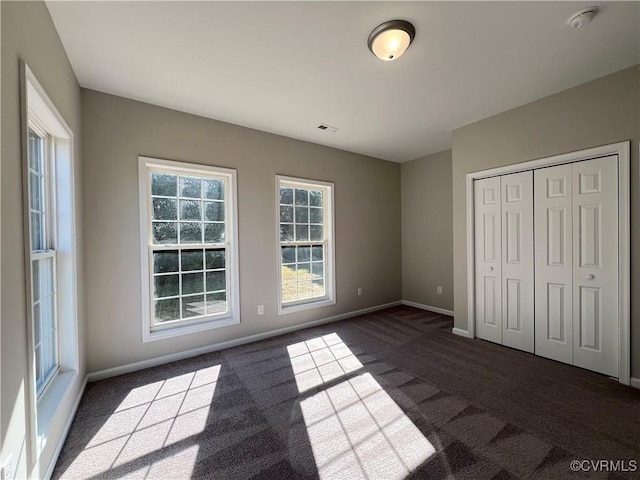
(517, 261)
(488, 259)
(553, 237)
(595, 258)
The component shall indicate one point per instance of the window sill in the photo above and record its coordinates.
(178, 330)
(298, 307)
(49, 401)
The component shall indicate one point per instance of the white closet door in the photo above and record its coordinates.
(488, 262)
(595, 259)
(553, 263)
(517, 260)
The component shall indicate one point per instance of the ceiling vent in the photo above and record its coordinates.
(327, 128)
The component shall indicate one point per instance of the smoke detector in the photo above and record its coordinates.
(582, 17)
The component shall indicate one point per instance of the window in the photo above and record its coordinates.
(189, 247)
(50, 259)
(43, 255)
(305, 244)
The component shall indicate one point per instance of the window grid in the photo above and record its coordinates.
(37, 207)
(309, 270)
(197, 202)
(214, 300)
(303, 242)
(180, 204)
(45, 331)
(202, 208)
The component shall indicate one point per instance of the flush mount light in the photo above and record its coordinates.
(389, 40)
(582, 17)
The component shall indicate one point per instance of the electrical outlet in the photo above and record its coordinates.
(439, 290)
(5, 472)
(260, 309)
(359, 291)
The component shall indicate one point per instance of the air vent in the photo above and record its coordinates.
(327, 128)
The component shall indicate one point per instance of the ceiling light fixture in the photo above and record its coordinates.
(582, 17)
(390, 39)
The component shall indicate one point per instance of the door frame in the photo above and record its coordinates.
(622, 150)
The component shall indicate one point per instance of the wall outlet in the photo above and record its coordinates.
(439, 290)
(6, 472)
(359, 291)
(260, 309)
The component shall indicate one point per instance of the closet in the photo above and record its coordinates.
(546, 262)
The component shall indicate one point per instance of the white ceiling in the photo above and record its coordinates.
(286, 67)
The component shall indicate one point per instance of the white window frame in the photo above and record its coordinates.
(328, 218)
(40, 115)
(151, 332)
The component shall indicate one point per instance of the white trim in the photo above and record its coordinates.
(232, 264)
(43, 108)
(622, 150)
(471, 259)
(571, 157)
(37, 109)
(428, 308)
(153, 362)
(50, 401)
(304, 304)
(330, 269)
(2, 459)
(624, 263)
(634, 382)
(460, 332)
(65, 432)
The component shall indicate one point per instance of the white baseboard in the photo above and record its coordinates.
(635, 382)
(65, 432)
(153, 362)
(460, 332)
(442, 311)
(429, 308)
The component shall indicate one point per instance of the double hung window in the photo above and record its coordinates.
(50, 259)
(189, 246)
(43, 254)
(305, 244)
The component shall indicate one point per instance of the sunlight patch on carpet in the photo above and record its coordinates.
(155, 425)
(356, 430)
(320, 360)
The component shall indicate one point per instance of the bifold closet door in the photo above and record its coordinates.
(576, 264)
(553, 227)
(488, 259)
(595, 265)
(504, 260)
(517, 261)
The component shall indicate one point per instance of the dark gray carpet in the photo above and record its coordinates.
(391, 394)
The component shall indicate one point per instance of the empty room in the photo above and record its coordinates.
(376, 240)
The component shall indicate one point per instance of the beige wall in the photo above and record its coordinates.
(116, 131)
(28, 33)
(604, 111)
(427, 231)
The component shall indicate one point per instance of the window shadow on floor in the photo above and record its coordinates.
(303, 405)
